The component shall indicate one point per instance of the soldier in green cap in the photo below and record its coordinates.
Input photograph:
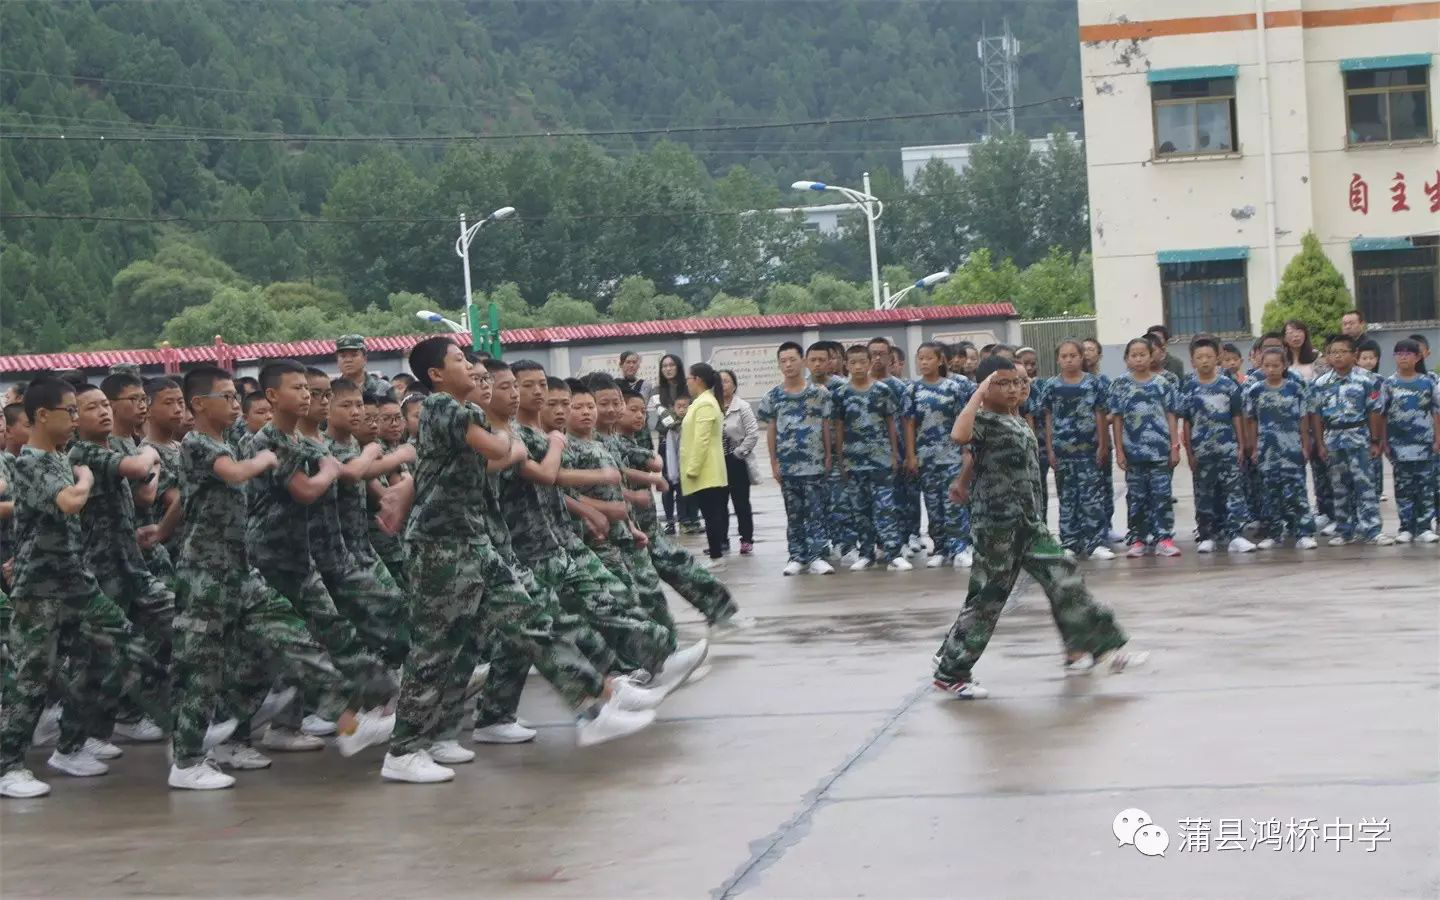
(350, 356)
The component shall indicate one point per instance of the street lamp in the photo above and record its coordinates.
(438, 319)
(871, 206)
(491, 331)
(892, 301)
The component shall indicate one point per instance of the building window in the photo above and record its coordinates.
(1206, 296)
(1386, 105)
(1401, 285)
(1194, 116)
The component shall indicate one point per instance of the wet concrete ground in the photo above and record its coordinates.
(814, 761)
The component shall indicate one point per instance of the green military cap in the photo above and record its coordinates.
(350, 342)
(126, 369)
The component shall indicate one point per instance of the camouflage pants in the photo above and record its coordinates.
(101, 644)
(949, 522)
(677, 568)
(1254, 487)
(1149, 502)
(1414, 495)
(839, 530)
(585, 586)
(1377, 465)
(375, 605)
(632, 564)
(1107, 492)
(804, 497)
(1220, 509)
(395, 564)
(1001, 554)
(1284, 505)
(1043, 457)
(7, 673)
(1082, 508)
(1324, 491)
(907, 499)
(150, 607)
(1352, 488)
(460, 594)
(233, 626)
(870, 505)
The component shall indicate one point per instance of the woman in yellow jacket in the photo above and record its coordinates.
(702, 456)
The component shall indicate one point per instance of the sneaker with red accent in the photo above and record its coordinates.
(1167, 548)
(962, 690)
(746, 548)
(1136, 550)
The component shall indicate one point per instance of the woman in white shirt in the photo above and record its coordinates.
(741, 435)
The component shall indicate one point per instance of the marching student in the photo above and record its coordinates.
(1146, 438)
(796, 415)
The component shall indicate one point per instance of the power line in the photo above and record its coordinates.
(480, 137)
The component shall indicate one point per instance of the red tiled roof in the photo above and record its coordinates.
(518, 337)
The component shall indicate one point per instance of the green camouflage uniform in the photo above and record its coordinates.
(461, 591)
(59, 613)
(1008, 527)
(389, 547)
(169, 480)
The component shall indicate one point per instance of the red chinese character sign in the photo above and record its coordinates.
(1397, 193)
(1433, 192)
(1359, 195)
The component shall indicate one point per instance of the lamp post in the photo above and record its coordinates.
(892, 301)
(482, 337)
(871, 206)
(428, 316)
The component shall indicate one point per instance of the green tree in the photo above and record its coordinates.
(239, 316)
(561, 309)
(997, 197)
(1060, 284)
(1311, 290)
(725, 305)
(295, 295)
(979, 280)
(146, 296)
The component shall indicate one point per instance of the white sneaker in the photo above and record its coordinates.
(1082, 666)
(450, 753)
(1403, 537)
(935, 562)
(1336, 541)
(80, 764)
(821, 567)
(143, 731)
(1120, 660)
(916, 544)
(22, 784)
(908, 551)
(1205, 546)
(1102, 552)
(101, 749)
(416, 768)
(274, 703)
(1427, 537)
(239, 756)
(203, 776)
(503, 733)
(729, 626)
(1381, 540)
(219, 732)
(629, 694)
(850, 558)
(860, 565)
(313, 724)
(964, 559)
(678, 667)
(1115, 537)
(1329, 529)
(1269, 544)
(370, 728)
(1304, 543)
(793, 567)
(714, 565)
(47, 730)
(287, 741)
(1322, 521)
(1240, 545)
(900, 564)
(611, 723)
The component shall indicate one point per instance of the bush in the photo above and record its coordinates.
(1312, 291)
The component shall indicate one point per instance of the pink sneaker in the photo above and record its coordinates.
(1167, 548)
(1136, 550)
(746, 548)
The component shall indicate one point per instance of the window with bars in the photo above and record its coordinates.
(1194, 116)
(1387, 105)
(1401, 285)
(1208, 297)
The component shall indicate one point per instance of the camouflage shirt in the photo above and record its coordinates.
(799, 427)
(49, 557)
(7, 526)
(898, 387)
(933, 408)
(529, 508)
(591, 454)
(1211, 410)
(1344, 403)
(327, 537)
(449, 476)
(353, 508)
(277, 526)
(213, 536)
(107, 525)
(634, 455)
(1141, 407)
(1277, 412)
(168, 480)
(1072, 409)
(1410, 405)
(1006, 486)
(866, 416)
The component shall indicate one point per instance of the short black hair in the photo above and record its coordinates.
(411, 400)
(156, 385)
(340, 386)
(822, 346)
(429, 354)
(1404, 345)
(990, 365)
(898, 352)
(601, 381)
(626, 354)
(45, 393)
(1368, 344)
(201, 380)
(553, 383)
(1230, 348)
(494, 365)
(86, 387)
(790, 345)
(527, 365)
(862, 349)
(1204, 341)
(576, 386)
(879, 340)
(1273, 336)
(1340, 339)
(249, 400)
(112, 385)
(631, 394)
(246, 384)
(13, 412)
(387, 398)
(273, 372)
(988, 348)
(312, 372)
(1160, 330)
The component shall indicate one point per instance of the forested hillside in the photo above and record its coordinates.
(109, 242)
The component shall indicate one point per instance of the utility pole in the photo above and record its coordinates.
(999, 77)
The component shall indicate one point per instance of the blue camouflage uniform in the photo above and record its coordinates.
(907, 490)
(1410, 405)
(839, 530)
(1141, 407)
(1211, 409)
(1343, 403)
(869, 467)
(1074, 438)
(1034, 410)
(1277, 412)
(1107, 465)
(933, 408)
(800, 455)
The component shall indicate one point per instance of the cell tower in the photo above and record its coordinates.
(998, 77)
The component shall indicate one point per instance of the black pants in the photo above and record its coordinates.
(739, 488)
(714, 503)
